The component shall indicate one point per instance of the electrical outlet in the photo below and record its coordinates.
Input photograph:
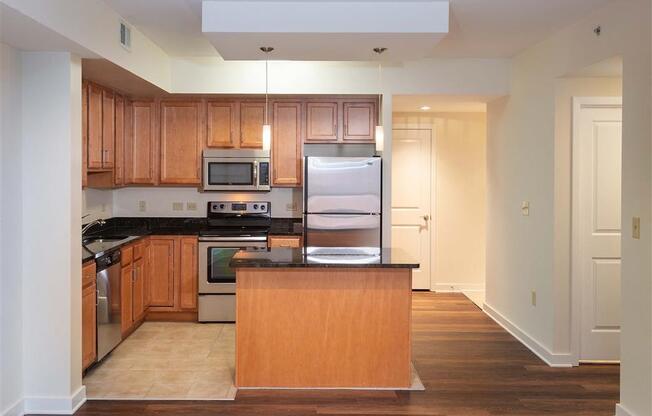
(103, 207)
(291, 207)
(191, 206)
(636, 228)
(142, 206)
(177, 206)
(525, 208)
(534, 298)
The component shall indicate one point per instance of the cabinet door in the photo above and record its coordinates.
(140, 139)
(286, 144)
(147, 274)
(108, 129)
(222, 124)
(94, 127)
(182, 136)
(188, 273)
(138, 294)
(252, 118)
(126, 298)
(118, 171)
(162, 271)
(84, 133)
(321, 122)
(284, 241)
(359, 122)
(89, 326)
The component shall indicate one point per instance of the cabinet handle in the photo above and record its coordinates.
(97, 297)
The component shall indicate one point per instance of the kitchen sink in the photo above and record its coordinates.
(100, 239)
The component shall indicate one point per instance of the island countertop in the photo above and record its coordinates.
(299, 257)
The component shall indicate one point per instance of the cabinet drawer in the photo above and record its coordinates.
(284, 241)
(127, 255)
(139, 249)
(88, 274)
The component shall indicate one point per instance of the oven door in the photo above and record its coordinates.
(215, 274)
(236, 174)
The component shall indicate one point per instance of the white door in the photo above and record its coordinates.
(598, 130)
(411, 199)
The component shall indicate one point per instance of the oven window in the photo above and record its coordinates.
(230, 173)
(218, 265)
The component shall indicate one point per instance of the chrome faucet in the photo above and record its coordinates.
(92, 223)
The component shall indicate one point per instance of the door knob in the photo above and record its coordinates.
(426, 217)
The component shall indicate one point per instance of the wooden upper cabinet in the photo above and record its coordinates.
(286, 144)
(359, 121)
(108, 129)
(118, 171)
(140, 143)
(321, 121)
(188, 273)
(222, 124)
(161, 272)
(84, 133)
(95, 149)
(182, 138)
(252, 118)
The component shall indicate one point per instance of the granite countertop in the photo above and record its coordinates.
(128, 229)
(297, 257)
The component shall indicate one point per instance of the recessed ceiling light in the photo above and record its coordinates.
(425, 108)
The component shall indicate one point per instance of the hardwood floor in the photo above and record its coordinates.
(469, 365)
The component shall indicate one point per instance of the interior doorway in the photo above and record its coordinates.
(597, 172)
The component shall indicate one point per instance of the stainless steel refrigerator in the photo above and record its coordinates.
(342, 205)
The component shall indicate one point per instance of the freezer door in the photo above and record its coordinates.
(339, 233)
(343, 185)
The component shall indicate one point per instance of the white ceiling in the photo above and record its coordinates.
(478, 28)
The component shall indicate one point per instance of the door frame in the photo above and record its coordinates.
(580, 103)
(431, 129)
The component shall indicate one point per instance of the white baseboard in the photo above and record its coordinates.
(457, 288)
(14, 410)
(621, 411)
(55, 405)
(550, 358)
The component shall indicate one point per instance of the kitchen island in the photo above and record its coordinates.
(316, 321)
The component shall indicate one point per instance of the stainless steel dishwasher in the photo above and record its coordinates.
(109, 332)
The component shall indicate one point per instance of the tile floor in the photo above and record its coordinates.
(168, 360)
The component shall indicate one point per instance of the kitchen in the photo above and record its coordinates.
(315, 156)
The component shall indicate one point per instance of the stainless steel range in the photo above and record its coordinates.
(232, 226)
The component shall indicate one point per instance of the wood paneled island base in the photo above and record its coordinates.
(318, 327)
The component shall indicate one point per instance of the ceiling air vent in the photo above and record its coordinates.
(125, 36)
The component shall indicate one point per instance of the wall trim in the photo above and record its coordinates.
(550, 358)
(621, 411)
(55, 405)
(457, 288)
(15, 409)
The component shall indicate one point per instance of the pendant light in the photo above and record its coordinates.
(267, 129)
(380, 131)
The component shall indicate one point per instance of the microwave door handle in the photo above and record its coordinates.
(255, 174)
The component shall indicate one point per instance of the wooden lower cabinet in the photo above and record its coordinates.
(287, 241)
(89, 315)
(133, 280)
(138, 290)
(173, 276)
(126, 299)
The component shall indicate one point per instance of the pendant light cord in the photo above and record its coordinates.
(266, 85)
(380, 94)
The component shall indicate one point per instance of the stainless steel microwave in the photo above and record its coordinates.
(236, 170)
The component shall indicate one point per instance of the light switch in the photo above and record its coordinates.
(291, 207)
(525, 208)
(177, 206)
(534, 298)
(142, 206)
(191, 206)
(636, 228)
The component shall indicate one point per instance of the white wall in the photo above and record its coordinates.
(459, 209)
(96, 204)
(11, 317)
(51, 225)
(521, 166)
(159, 201)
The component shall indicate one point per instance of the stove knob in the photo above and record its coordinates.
(221, 206)
(255, 206)
(262, 207)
